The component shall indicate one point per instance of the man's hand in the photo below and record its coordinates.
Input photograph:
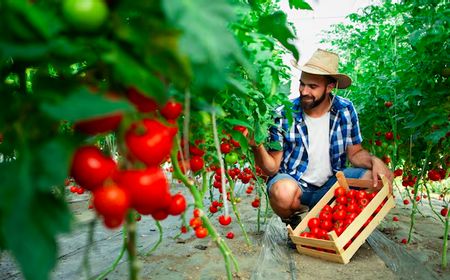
(379, 168)
(250, 138)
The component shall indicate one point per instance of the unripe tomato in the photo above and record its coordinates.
(85, 15)
(90, 168)
(231, 158)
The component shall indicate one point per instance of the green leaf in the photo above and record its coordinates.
(238, 122)
(205, 39)
(50, 174)
(131, 72)
(238, 136)
(299, 4)
(82, 104)
(276, 26)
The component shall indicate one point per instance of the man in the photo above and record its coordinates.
(324, 134)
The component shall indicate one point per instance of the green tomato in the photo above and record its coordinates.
(85, 15)
(231, 158)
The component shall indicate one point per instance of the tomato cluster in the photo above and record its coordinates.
(141, 184)
(197, 224)
(348, 204)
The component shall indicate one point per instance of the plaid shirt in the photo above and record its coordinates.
(344, 132)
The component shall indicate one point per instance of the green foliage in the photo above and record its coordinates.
(226, 55)
(397, 52)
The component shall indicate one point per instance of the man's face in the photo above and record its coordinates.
(313, 90)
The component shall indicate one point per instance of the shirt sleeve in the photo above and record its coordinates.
(354, 137)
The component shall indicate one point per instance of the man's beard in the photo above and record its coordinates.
(308, 105)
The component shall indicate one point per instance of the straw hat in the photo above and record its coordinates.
(326, 63)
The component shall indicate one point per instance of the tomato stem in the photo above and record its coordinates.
(131, 246)
(445, 243)
(116, 261)
(160, 230)
(235, 210)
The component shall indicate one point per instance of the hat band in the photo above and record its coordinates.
(320, 68)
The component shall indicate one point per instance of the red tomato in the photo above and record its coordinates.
(213, 209)
(339, 191)
(405, 202)
(395, 219)
(90, 168)
(404, 241)
(239, 128)
(195, 222)
(444, 211)
(113, 222)
(235, 143)
(339, 230)
(225, 148)
(100, 124)
(148, 189)
(150, 141)
(196, 212)
(111, 201)
(230, 235)
(194, 150)
(255, 203)
(183, 229)
(201, 232)
(388, 104)
(341, 199)
(313, 223)
(172, 110)
(363, 202)
(351, 193)
(325, 215)
(160, 214)
(398, 172)
(143, 103)
(389, 135)
(327, 225)
(224, 220)
(352, 208)
(339, 215)
(327, 208)
(196, 163)
(360, 195)
(177, 205)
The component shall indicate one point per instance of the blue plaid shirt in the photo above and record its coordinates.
(344, 132)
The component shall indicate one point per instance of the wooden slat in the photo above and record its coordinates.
(351, 250)
(314, 242)
(367, 184)
(323, 255)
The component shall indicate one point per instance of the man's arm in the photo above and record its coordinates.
(269, 161)
(361, 158)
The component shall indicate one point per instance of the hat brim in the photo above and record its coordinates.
(343, 80)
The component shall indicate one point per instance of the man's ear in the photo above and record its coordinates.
(330, 87)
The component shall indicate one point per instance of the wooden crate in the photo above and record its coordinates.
(335, 248)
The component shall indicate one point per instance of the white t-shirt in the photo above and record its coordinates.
(319, 166)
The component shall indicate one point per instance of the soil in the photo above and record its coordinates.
(182, 256)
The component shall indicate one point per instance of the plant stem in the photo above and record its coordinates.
(131, 247)
(235, 210)
(416, 187)
(445, 244)
(198, 202)
(90, 241)
(116, 261)
(160, 230)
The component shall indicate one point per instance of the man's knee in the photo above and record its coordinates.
(284, 192)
